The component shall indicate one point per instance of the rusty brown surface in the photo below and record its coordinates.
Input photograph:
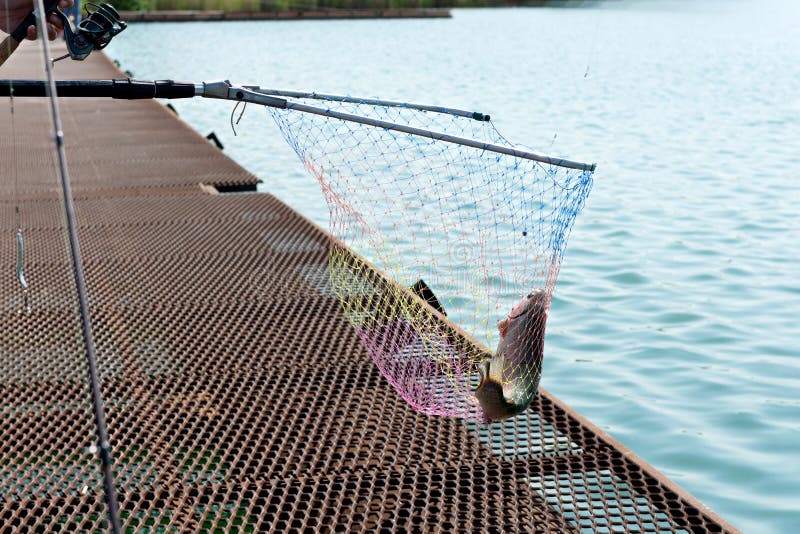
(238, 396)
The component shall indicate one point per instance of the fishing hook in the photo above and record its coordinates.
(20, 255)
(20, 275)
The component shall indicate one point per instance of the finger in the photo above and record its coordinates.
(55, 21)
(31, 33)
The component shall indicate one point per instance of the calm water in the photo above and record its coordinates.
(675, 322)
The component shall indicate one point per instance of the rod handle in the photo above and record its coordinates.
(12, 41)
(122, 88)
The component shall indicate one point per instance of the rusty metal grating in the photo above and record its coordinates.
(238, 396)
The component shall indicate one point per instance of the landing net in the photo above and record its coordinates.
(482, 229)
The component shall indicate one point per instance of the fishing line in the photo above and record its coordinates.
(19, 239)
(23, 282)
(592, 53)
(233, 111)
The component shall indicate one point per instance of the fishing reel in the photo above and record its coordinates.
(94, 32)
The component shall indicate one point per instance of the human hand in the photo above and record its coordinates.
(17, 10)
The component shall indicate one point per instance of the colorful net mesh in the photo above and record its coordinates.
(481, 229)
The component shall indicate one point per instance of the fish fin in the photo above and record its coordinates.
(483, 371)
(502, 326)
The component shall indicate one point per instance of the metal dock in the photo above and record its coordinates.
(238, 396)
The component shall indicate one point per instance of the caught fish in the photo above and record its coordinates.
(510, 379)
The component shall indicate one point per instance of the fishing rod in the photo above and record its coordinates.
(130, 89)
(101, 24)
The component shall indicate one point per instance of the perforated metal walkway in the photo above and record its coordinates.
(238, 397)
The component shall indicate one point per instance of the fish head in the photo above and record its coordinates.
(510, 379)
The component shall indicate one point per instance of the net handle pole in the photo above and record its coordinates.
(476, 115)
(447, 138)
(226, 91)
